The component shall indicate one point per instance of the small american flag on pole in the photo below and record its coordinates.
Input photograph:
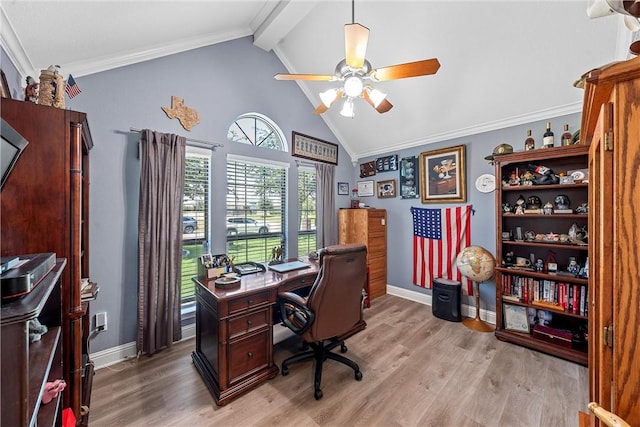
(71, 87)
(438, 236)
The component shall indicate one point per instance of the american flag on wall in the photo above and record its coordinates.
(438, 237)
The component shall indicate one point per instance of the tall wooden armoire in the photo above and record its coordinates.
(368, 226)
(45, 208)
(611, 125)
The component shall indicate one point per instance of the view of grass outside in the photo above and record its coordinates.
(192, 251)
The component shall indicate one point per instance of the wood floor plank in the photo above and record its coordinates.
(418, 370)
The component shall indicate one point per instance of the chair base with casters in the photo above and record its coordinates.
(320, 352)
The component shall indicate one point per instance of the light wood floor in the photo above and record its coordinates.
(418, 370)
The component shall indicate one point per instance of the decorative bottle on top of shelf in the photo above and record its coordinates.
(529, 143)
(547, 139)
(566, 136)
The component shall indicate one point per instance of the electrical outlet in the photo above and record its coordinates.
(101, 321)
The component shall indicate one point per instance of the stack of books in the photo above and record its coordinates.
(88, 290)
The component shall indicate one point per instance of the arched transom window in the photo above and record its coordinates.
(259, 130)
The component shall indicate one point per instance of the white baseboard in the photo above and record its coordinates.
(110, 356)
(466, 310)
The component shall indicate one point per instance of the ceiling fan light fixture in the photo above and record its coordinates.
(328, 96)
(353, 86)
(376, 96)
(347, 108)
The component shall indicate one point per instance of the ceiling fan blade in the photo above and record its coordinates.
(383, 107)
(321, 109)
(356, 37)
(317, 77)
(409, 69)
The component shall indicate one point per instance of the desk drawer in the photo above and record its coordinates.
(248, 354)
(249, 322)
(245, 303)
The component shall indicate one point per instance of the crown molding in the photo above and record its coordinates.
(13, 47)
(477, 129)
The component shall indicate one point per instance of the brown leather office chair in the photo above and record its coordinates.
(331, 312)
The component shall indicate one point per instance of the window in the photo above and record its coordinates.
(306, 210)
(256, 209)
(194, 223)
(258, 130)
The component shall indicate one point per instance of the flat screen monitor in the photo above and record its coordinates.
(12, 145)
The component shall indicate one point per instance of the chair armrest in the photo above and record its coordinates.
(295, 314)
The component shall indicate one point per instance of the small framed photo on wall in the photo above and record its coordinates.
(343, 188)
(387, 189)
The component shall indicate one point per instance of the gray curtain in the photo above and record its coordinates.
(327, 232)
(160, 240)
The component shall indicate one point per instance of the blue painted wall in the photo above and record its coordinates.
(483, 222)
(222, 82)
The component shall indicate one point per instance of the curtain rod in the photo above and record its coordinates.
(209, 144)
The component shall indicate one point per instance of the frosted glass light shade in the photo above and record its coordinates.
(376, 96)
(328, 96)
(353, 86)
(347, 109)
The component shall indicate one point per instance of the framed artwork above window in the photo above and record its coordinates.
(311, 148)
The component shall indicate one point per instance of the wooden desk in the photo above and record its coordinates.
(234, 329)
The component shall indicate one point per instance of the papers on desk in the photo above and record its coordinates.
(289, 266)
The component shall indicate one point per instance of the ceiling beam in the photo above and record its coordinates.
(285, 16)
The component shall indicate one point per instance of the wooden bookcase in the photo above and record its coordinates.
(523, 290)
(45, 208)
(611, 127)
(26, 367)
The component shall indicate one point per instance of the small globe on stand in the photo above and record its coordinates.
(477, 264)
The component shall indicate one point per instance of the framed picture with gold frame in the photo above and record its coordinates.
(442, 175)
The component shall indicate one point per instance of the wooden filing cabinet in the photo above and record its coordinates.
(368, 226)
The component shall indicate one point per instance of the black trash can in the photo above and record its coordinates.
(445, 302)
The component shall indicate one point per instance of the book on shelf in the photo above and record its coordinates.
(89, 291)
(556, 295)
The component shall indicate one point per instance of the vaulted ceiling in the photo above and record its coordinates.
(503, 62)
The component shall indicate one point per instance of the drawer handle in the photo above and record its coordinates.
(250, 355)
(249, 322)
(250, 302)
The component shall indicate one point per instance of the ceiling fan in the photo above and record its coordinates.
(356, 73)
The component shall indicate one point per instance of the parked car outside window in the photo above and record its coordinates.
(189, 224)
(241, 225)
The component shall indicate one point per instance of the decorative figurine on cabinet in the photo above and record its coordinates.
(562, 202)
(521, 205)
(31, 91)
(573, 266)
